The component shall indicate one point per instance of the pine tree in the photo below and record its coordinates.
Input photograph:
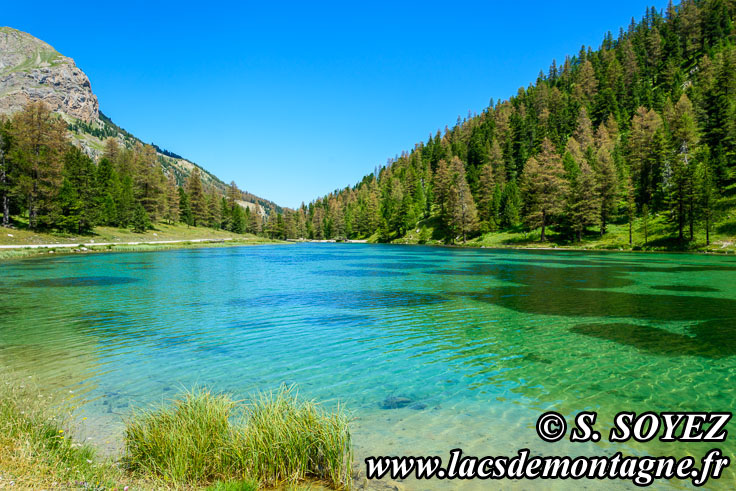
(510, 205)
(77, 198)
(126, 202)
(140, 220)
(706, 192)
(630, 205)
(108, 189)
(486, 191)
(238, 220)
(197, 199)
(185, 208)
(607, 186)
(214, 219)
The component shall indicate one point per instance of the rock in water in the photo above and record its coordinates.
(395, 402)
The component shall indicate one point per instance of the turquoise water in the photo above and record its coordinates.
(480, 341)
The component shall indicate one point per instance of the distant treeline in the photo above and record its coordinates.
(645, 124)
(51, 182)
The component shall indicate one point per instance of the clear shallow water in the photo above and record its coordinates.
(481, 341)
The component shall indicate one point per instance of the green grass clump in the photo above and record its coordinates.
(287, 439)
(184, 442)
(205, 437)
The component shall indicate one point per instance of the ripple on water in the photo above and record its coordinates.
(347, 300)
(358, 273)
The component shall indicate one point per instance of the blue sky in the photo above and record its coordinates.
(294, 100)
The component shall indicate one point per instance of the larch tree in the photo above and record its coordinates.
(39, 142)
(460, 208)
(584, 201)
(645, 152)
(172, 200)
(441, 185)
(544, 187)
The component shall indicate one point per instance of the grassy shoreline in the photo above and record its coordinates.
(163, 237)
(657, 239)
(199, 440)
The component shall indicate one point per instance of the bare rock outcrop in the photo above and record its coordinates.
(31, 70)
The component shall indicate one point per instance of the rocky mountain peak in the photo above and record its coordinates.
(32, 70)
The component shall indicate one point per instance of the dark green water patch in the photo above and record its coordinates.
(662, 342)
(684, 288)
(593, 303)
(79, 281)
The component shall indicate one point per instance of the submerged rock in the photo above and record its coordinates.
(395, 402)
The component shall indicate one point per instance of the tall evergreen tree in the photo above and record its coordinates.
(197, 198)
(584, 202)
(39, 142)
(544, 187)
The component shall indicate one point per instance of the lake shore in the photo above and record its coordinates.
(21, 243)
(51, 250)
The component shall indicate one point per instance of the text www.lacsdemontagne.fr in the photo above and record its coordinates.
(642, 471)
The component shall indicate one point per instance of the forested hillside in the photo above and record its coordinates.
(640, 131)
(65, 166)
(48, 183)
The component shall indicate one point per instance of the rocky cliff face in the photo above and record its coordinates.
(31, 70)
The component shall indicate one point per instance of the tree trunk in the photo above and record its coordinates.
(631, 242)
(680, 221)
(603, 224)
(6, 210)
(707, 230)
(544, 223)
(5, 198)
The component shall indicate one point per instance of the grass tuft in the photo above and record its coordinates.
(184, 442)
(288, 439)
(276, 438)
